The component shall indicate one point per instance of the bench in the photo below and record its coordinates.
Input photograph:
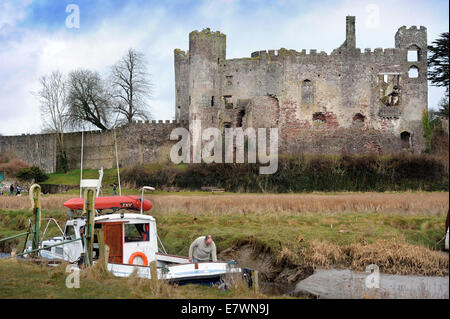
(212, 189)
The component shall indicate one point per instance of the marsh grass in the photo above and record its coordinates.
(397, 231)
(391, 256)
(429, 203)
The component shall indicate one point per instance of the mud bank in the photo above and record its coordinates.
(277, 277)
(347, 284)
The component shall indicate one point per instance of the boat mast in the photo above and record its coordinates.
(81, 165)
(117, 161)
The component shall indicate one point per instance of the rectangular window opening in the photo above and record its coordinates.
(228, 101)
(413, 56)
(137, 232)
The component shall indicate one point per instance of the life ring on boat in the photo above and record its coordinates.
(138, 254)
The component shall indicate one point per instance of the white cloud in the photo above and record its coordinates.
(12, 11)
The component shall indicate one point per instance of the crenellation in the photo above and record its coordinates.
(378, 51)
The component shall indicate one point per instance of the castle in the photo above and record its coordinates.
(347, 101)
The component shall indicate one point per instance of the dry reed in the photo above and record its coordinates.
(435, 203)
(391, 257)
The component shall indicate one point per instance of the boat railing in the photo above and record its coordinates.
(46, 227)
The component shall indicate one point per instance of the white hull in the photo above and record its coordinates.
(182, 272)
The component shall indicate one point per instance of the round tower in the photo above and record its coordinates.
(207, 50)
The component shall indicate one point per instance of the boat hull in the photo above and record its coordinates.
(208, 273)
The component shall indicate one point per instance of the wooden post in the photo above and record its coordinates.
(101, 246)
(154, 276)
(35, 194)
(255, 279)
(106, 256)
(89, 211)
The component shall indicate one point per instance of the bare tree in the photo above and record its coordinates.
(53, 105)
(131, 86)
(89, 101)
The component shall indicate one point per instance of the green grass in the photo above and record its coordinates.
(20, 279)
(277, 233)
(72, 177)
(296, 230)
(274, 230)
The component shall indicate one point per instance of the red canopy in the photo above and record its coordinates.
(132, 202)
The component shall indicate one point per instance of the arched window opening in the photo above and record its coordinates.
(307, 92)
(239, 117)
(413, 72)
(406, 139)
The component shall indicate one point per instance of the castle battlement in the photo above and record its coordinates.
(206, 32)
(413, 28)
(181, 54)
(155, 123)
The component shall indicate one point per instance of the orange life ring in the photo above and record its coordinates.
(136, 254)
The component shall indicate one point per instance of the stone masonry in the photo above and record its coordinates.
(346, 101)
(137, 143)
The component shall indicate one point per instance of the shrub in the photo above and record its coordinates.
(11, 166)
(32, 173)
(301, 173)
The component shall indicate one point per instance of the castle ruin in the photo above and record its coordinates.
(347, 101)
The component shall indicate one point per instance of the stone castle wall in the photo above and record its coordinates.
(137, 143)
(321, 103)
(35, 149)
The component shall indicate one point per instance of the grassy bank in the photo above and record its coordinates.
(72, 177)
(283, 223)
(283, 236)
(20, 279)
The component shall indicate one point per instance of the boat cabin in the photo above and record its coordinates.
(131, 238)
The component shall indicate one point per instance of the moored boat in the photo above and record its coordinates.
(133, 244)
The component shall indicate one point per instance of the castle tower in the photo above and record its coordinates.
(412, 44)
(350, 39)
(206, 51)
(181, 62)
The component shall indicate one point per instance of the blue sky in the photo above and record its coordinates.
(34, 39)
